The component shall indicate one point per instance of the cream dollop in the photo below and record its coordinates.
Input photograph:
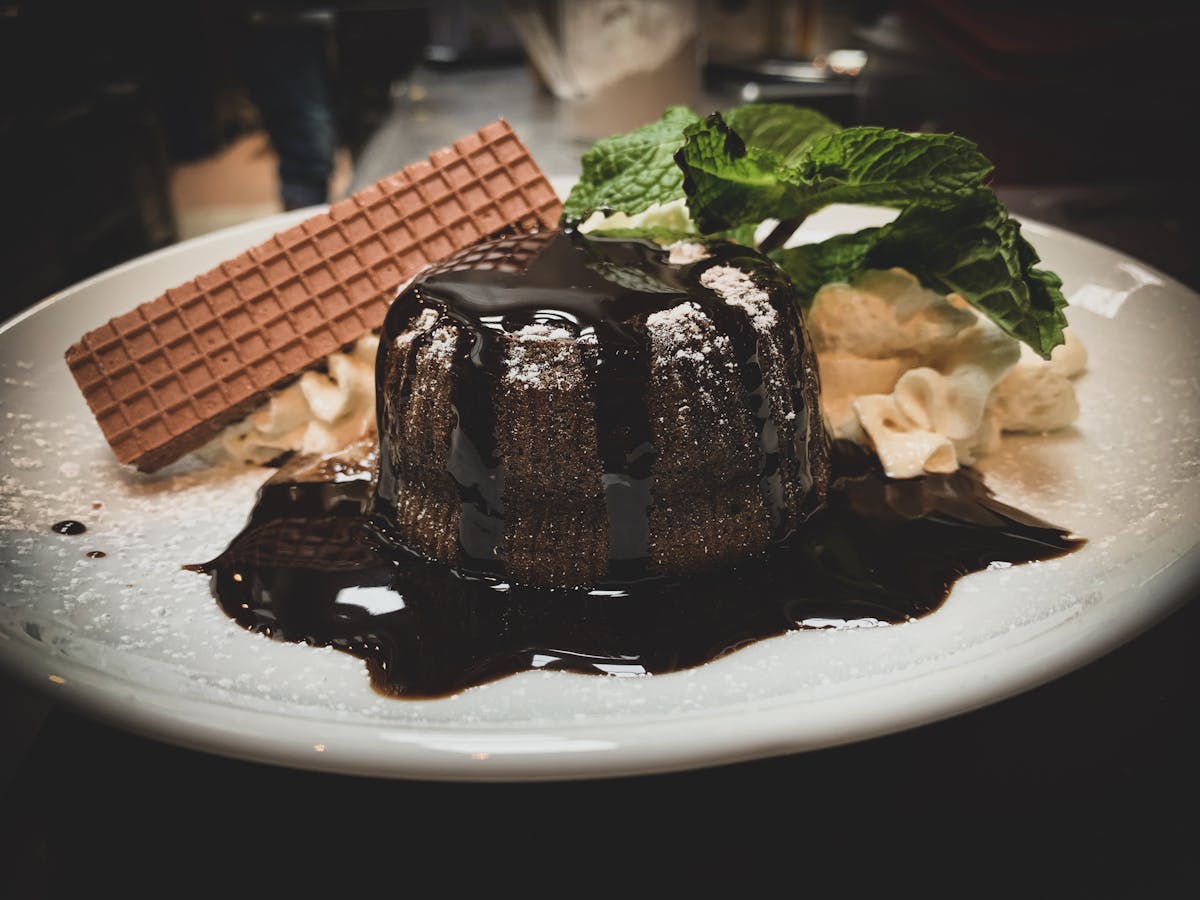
(925, 380)
(323, 410)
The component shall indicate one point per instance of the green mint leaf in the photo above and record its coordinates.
(727, 182)
(886, 167)
(743, 235)
(782, 128)
(730, 182)
(778, 162)
(630, 172)
(659, 235)
(836, 259)
(966, 245)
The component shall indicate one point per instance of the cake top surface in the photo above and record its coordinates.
(561, 284)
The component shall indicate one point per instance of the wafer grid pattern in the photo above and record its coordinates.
(166, 377)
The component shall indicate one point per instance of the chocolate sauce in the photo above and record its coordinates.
(602, 291)
(308, 568)
(68, 526)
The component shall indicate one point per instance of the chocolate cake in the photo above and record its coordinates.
(560, 410)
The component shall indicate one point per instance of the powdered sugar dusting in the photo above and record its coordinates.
(544, 332)
(682, 332)
(686, 345)
(683, 252)
(442, 343)
(425, 321)
(542, 355)
(736, 288)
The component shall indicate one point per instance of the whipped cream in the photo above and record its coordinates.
(325, 409)
(925, 380)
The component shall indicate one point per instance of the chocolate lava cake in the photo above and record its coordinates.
(564, 410)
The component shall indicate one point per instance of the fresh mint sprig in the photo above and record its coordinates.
(967, 245)
(631, 172)
(779, 162)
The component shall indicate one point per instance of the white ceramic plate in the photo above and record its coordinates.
(136, 641)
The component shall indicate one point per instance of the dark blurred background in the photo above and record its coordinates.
(124, 130)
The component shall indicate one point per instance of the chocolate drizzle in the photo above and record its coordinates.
(621, 369)
(472, 461)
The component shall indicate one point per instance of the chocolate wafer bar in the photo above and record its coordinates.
(166, 377)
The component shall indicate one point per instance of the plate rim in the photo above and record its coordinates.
(763, 732)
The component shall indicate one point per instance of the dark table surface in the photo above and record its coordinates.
(1086, 786)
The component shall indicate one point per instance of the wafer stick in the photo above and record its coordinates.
(166, 377)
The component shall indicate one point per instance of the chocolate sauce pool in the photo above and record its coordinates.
(309, 568)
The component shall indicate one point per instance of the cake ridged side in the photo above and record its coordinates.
(419, 416)
(709, 507)
(698, 413)
(548, 445)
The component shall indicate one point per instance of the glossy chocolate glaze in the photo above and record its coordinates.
(308, 568)
(601, 291)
